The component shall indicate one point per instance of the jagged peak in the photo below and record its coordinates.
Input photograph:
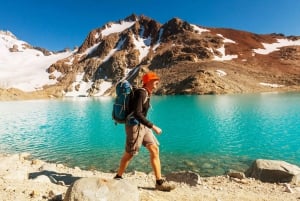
(175, 26)
(145, 18)
(132, 17)
(177, 22)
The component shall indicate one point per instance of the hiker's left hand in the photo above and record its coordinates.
(156, 129)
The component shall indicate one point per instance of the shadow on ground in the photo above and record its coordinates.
(55, 177)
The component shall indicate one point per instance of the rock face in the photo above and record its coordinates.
(94, 189)
(274, 171)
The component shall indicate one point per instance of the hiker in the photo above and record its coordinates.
(138, 131)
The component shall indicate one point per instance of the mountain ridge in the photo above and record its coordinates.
(190, 59)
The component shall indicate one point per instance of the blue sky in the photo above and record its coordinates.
(59, 24)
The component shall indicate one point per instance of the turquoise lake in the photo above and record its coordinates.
(206, 134)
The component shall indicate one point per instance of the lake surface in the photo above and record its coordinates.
(206, 134)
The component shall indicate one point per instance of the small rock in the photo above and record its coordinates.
(51, 194)
(235, 174)
(287, 188)
(23, 156)
(34, 193)
(34, 162)
(54, 196)
(207, 166)
(244, 181)
(60, 166)
(187, 177)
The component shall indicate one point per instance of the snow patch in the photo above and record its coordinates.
(112, 52)
(97, 35)
(222, 51)
(70, 62)
(271, 85)
(91, 49)
(143, 45)
(83, 87)
(221, 73)
(198, 29)
(223, 57)
(226, 40)
(105, 85)
(56, 74)
(268, 48)
(116, 28)
(158, 41)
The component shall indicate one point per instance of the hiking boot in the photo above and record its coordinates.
(164, 186)
(117, 177)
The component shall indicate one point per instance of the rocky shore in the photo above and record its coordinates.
(23, 178)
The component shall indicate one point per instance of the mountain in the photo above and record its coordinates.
(24, 67)
(189, 58)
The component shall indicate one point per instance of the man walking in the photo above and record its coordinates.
(138, 131)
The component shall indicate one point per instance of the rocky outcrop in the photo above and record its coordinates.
(14, 48)
(274, 171)
(175, 26)
(43, 50)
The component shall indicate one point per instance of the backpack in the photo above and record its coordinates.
(124, 91)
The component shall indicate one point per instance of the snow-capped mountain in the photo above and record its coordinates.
(189, 58)
(24, 67)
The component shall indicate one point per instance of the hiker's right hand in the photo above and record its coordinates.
(156, 129)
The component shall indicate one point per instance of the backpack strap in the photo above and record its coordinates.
(147, 95)
(130, 115)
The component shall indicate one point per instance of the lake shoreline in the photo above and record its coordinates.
(13, 94)
(23, 178)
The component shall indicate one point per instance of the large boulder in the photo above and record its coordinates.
(273, 171)
(94, 189)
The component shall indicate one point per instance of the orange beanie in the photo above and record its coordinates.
(149, 76)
